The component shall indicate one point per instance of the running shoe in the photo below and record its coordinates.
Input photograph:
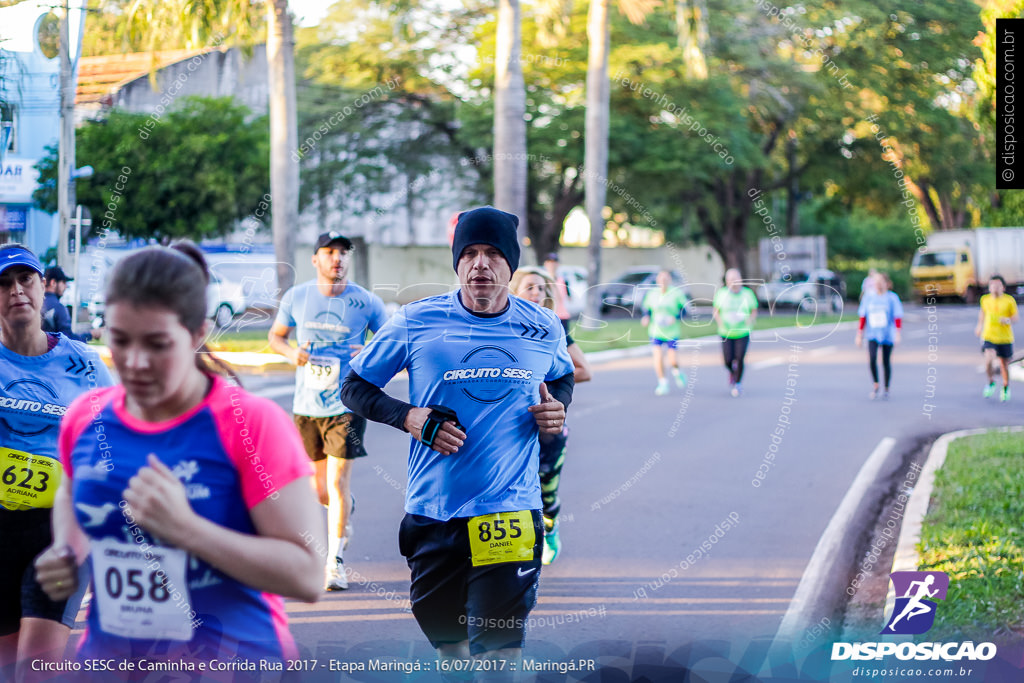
(552, 542)
(334, 576)
(662, 387)
(989, 390)
(873, 395)
(736, 390)
(680, 377)
(1004, 395)
(885, 395)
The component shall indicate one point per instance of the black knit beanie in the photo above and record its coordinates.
(487, 225)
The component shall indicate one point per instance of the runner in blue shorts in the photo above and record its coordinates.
(664, 309)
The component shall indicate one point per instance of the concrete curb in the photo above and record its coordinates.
(1017, 372)
(907, 557)
(822, 586)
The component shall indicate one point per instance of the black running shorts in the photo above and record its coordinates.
(454, 601)
(24, 534)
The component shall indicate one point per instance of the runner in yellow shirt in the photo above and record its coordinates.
(995, 319)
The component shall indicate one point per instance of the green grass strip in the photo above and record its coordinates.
(974, 531)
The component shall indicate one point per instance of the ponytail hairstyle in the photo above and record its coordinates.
(174, 278)
(549, 284)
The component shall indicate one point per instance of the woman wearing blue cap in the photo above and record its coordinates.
(40, 374)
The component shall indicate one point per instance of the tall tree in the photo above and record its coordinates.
(204, 23)
(596, 137)
(510, 160)
(284, 140)
(596, 143)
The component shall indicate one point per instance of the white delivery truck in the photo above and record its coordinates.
(960, 262)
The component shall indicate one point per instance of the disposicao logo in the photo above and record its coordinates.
(913, 614)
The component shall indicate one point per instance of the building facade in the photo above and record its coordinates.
(30, 97)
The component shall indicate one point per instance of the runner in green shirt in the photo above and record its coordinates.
(663, 312)
(735, 309)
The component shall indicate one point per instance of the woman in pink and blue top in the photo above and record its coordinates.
(192, 499)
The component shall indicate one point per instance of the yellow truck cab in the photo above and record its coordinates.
(943, 272)
(959, 263)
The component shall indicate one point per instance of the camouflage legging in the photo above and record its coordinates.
(552, 456)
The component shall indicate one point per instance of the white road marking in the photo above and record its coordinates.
(275, 392)
(587, 411)
(823, 351)
(770, 362)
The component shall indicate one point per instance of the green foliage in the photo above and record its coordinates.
(859, 240)
(973, 533)
(371, 119)
(193, 173)
(1006, 210)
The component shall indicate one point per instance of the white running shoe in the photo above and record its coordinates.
(335, 578)
(662, 387)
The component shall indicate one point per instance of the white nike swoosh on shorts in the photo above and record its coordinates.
(520, 571)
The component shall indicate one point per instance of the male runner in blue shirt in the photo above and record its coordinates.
(478, 360)
(330, 316)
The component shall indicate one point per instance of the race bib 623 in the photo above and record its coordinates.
(27, 480)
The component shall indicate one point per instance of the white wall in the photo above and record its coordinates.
(404, 274)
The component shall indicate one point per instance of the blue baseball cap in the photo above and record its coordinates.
(19, 256)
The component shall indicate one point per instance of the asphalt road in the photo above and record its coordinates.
(669, 535)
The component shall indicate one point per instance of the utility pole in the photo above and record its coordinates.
(66, 156)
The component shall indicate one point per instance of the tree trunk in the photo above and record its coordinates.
(284, 140)
(921, 192)
(596, 133)
(792, 189)
(510, 116)
(546, 233)
(727, 234)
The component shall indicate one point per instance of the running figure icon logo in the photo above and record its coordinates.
(914, 612)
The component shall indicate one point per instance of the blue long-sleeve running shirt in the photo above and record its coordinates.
(489, 371)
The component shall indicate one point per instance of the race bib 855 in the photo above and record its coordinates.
(501, 537)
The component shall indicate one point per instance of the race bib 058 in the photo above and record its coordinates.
(133, 591)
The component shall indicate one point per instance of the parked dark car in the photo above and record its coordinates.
(628, 290)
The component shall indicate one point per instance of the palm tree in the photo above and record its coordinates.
(284, 140)
(202, 23)
(691, 22)
(510, 116)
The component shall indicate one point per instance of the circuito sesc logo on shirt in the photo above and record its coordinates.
(488, 374)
